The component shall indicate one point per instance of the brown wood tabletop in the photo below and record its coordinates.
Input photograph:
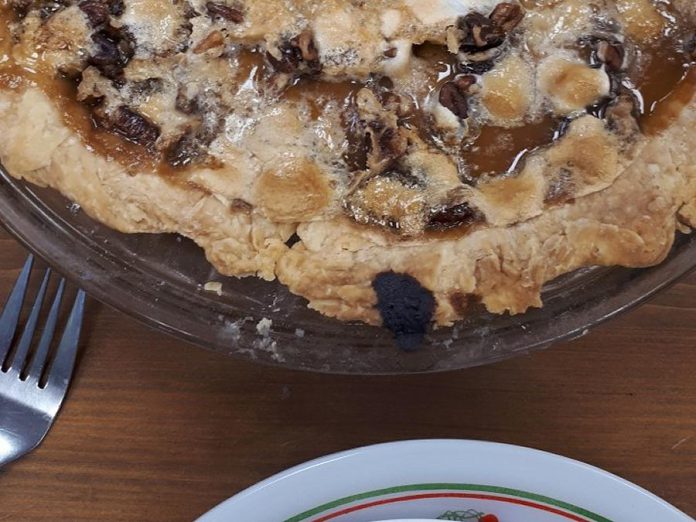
(156, 429)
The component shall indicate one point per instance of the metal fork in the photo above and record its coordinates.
(28, 403)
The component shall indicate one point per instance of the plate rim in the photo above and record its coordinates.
(438, 444)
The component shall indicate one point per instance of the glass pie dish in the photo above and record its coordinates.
(162, 280)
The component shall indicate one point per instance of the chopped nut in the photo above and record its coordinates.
(298, 55)
(477, 32)
(454, 95)
(129, 124)
(507, 17)
(377, 139)
(96, 11)
(612, 54)
(212, 41)
(452, 216)
(225, 12)
(114, 50)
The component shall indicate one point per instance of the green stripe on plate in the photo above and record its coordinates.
(449, 487)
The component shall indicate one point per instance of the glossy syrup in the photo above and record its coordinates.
(665, 84)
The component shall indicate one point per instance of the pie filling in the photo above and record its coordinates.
(410, 119)
(158, 84)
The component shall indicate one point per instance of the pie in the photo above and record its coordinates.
(392, 161)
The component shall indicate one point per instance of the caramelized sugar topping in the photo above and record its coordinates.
(437, 110)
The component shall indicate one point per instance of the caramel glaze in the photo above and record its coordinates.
(665, 84)
(76, 115)
(667, 110)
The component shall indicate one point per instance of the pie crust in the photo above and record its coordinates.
(474, 150)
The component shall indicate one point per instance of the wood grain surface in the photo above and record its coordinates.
(157, 430)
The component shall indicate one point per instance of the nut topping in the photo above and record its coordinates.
(477, 32)
(299, 55)
(130, 125)
(221, 11)
(612, 54)
(453, 95)
(115, 48)
(452, 216)
(506, 17)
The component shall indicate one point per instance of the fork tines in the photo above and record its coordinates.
(19, 361)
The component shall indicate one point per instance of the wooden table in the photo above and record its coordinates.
(160, 430)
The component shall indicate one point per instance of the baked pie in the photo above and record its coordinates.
(391, 161)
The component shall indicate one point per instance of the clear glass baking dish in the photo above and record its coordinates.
(160, 280)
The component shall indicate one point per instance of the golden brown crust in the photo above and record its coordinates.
(632, 223)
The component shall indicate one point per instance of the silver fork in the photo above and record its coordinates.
(28, 403)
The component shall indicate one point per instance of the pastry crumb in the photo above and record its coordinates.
(264, 327)
(214, 287)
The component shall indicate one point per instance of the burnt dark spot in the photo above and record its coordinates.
(406, 307)
(93, 101)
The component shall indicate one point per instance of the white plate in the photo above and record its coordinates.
(445, 480)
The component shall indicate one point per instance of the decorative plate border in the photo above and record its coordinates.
(412, 492)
